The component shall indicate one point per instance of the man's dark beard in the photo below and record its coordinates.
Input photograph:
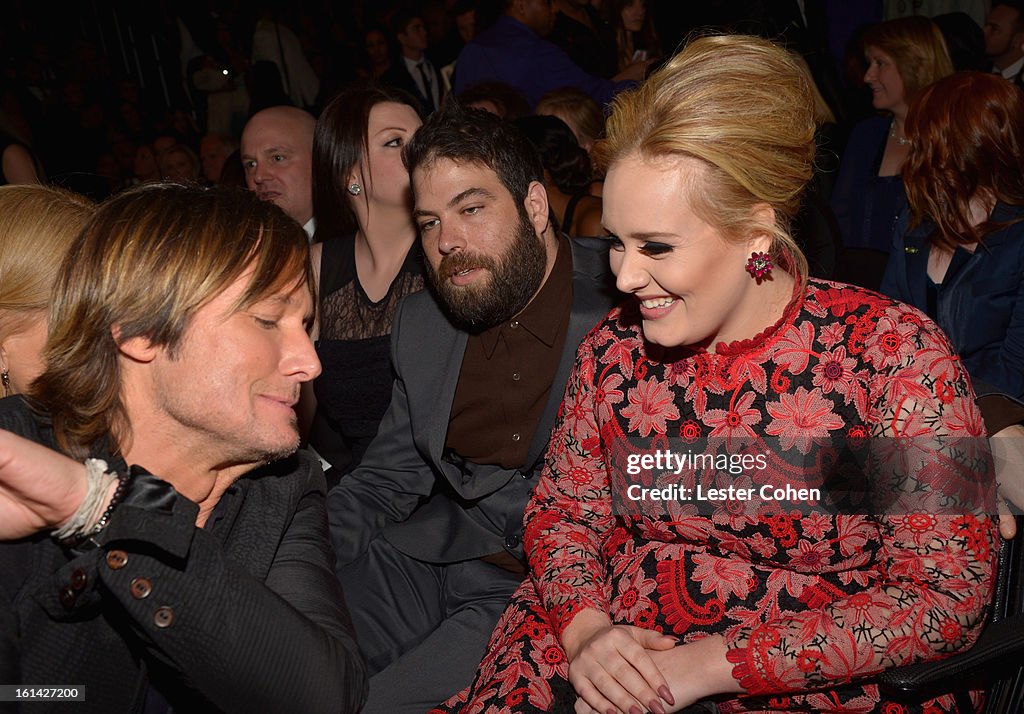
(514, 278)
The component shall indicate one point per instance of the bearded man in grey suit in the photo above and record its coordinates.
(428, 530)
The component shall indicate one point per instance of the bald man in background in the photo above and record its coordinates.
(277, 155)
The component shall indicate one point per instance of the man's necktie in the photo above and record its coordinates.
(428, 93)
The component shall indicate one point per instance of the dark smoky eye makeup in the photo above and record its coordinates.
(653, 248)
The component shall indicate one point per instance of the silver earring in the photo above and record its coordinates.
(355, 189)
(5, 379)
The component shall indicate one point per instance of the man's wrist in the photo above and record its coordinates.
(104, 489)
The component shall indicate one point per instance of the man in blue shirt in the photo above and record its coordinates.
(513, 50)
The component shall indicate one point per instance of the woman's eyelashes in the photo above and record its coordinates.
(652, 248)
(649, 248)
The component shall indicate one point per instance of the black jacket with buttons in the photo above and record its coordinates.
(244, 615)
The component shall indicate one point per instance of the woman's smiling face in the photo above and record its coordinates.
(689, 280)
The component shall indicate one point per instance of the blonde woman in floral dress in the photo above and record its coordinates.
(751, 605)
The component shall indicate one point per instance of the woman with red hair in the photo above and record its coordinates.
(959, 249)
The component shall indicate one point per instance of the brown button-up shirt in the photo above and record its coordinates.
(507, 372)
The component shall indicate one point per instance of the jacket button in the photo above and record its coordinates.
(163, 617)
(117, 559)
(67, 597)
(511, 541)
(79, 579)
(140, 588)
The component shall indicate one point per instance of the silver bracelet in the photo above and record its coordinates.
(88, 514)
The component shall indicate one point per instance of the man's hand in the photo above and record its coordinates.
(40, 488)
(611, 669)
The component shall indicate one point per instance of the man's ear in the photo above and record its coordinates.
(139, 349)
(760, 239)
(536, 204)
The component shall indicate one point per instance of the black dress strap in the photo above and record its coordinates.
(570, 209)
(336, 263)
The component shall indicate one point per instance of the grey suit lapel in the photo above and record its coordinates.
(593, 295)
(446, 345)
(441, 343)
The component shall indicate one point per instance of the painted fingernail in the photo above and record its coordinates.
(655, 706)
(667, 695)
(612, 710)
(635, 710)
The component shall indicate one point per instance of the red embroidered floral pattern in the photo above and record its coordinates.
(809, 605)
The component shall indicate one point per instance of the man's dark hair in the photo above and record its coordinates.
(1017, 5)
(401, 19)
(509, 101)
(567, 164)
(476, 137)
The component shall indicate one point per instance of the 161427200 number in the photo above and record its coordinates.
(41, 693)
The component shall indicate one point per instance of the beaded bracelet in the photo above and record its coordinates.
(84, 524)
(115, 501)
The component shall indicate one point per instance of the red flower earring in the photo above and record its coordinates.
(759, 265)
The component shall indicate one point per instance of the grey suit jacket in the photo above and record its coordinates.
(439, 509)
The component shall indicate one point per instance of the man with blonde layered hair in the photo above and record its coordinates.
(178, 344)
(141, 270)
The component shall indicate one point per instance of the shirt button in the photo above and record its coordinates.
(117, 559)
(515, 324)
(79, 579)
(515, 437)
(511, 541)
(163, 617)
(140, 588)
(67, 597)
(515, 376)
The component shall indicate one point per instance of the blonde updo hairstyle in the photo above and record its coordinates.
(37, 224)
(742, 107)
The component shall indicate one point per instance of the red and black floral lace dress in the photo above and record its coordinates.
(810, 605)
